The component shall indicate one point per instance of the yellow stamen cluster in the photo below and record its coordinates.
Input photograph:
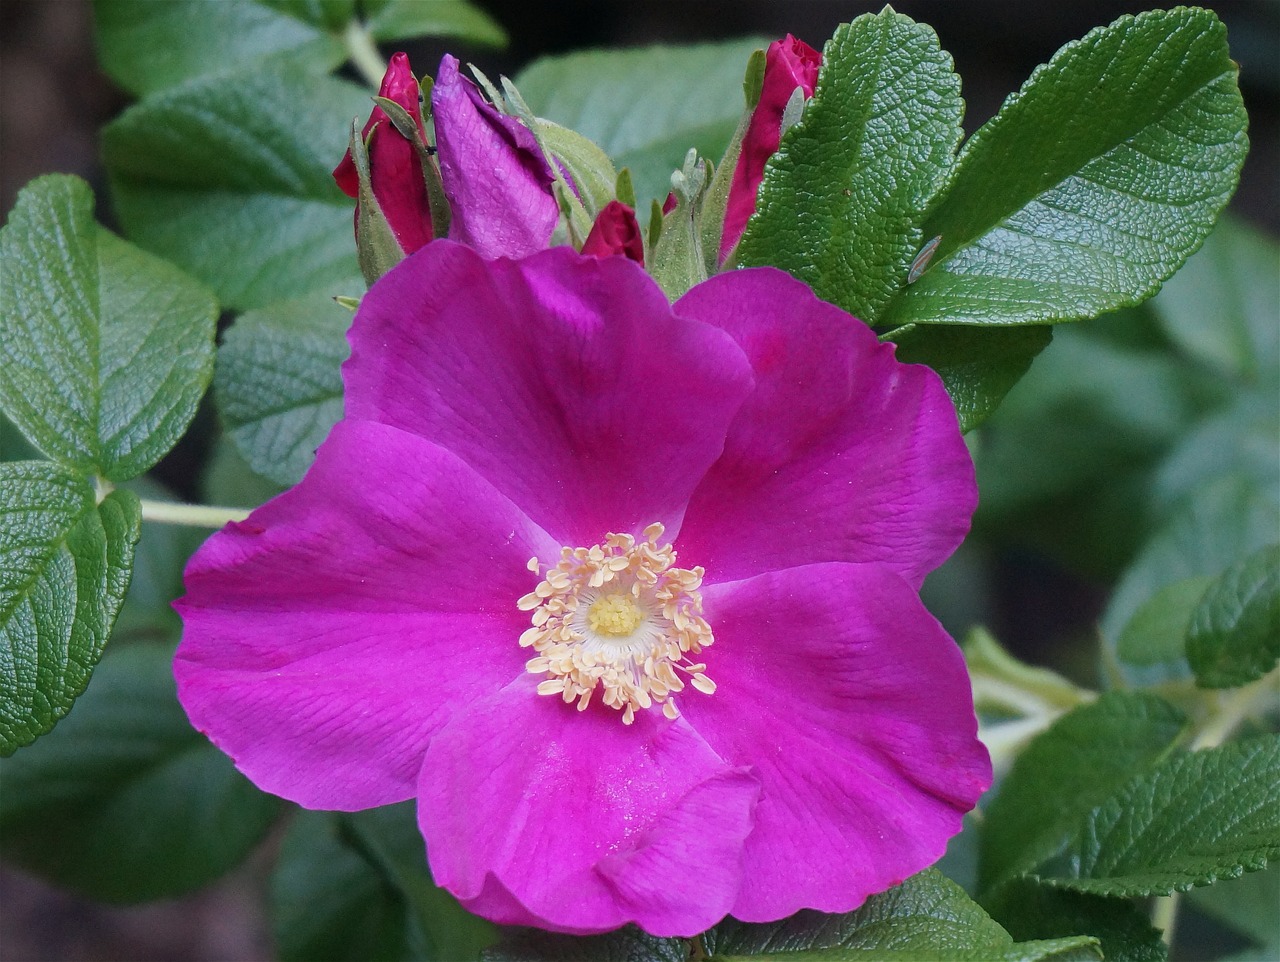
(619, 617)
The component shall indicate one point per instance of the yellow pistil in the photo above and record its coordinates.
(617, 616)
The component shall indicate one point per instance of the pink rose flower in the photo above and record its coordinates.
(789, 63)
(624, 593)
(616, 231)
(394, 168)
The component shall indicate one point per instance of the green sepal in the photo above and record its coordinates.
(376, 246)
(624, 189)
(677, 263)
(753, 79)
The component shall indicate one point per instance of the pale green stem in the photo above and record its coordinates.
(1164, 915)
(195, 515)
(364, 53)
(1004, 740)
(1233, 711)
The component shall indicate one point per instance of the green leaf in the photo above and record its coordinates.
(624, 945)
(1213, 528)
(356, 886)
(978, 365)
(456, 19)
(1157, 632)
(1221, 307)
(231, 179)
(925, 918)
(279, 383)
(105, 351)
(64, 570)
(1194, 819)
(1093, 183)
(145, 45)
(1076, 949)
(125, 802)
(1031, 911)
(1234, 634)
(1079, 762)
(843, 198)
(645, 106)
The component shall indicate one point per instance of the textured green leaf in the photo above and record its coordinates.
(1213, 528)
(927, 912)
(279, 383)
(978, 365)
(456, 19)
(1194, 819)
(1234, 633)
(64, 570)
(1075, 765)
(625, 945)
(1076, 949)
(332, 14)
(125, 802)
(1031, 911)
(1093, 183)
(145, 45)
(1157, 632)
(231, 179)
(843, 198)
(356, 887)
(645, 106)
(1221, 307)
(105, 351)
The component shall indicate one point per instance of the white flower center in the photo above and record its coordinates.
(617, 616)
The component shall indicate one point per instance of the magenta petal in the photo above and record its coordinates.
(495, 175)
(535, 813)
(853, 708)
(566, 381)
(842, 453)
(331, 634)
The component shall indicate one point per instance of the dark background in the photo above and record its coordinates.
(54, 100)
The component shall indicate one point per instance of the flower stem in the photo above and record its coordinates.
(364, 53)
(1164, 915)
(195, 515)
(1234, 710)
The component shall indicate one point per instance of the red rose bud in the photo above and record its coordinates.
(789, 63)
(616, 231)
(395, 167)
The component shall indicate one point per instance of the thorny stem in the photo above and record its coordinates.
(195, 515)
(364, 53)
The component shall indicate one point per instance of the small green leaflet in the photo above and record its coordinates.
(64, 569)
(279, 383)
(842, 199)
(125, 801)
(1093, 183)
(105, 351)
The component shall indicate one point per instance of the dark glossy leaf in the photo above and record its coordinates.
(625, 945)
(124, 801)
(844, 197)
(356, 887)
(1093, 183)
(105, 351)
(978, 365)
(64, 569)
(1031, 911)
